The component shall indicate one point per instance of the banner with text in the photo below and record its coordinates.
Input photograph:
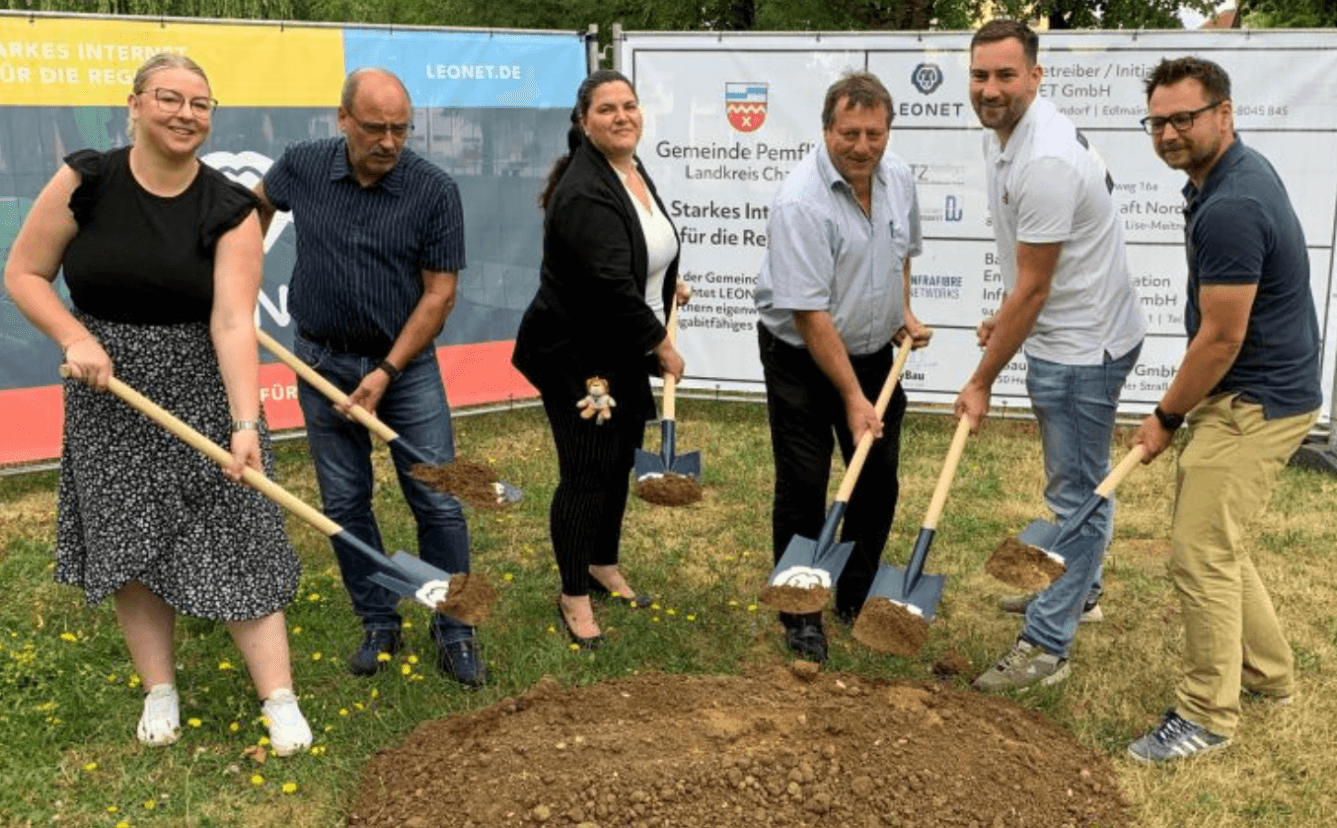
(490, 108)
(727, 116)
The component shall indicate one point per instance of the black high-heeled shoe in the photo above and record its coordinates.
(591, 643)
(640, 600)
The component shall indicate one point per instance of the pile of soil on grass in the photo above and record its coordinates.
(796, 600)
(829, 750)
(471, 482)
(469, 598)
(669, 489)
(1023, 566)
(888, 627)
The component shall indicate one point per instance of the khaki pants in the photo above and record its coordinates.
(1232, 639)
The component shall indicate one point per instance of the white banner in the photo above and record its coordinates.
(727, 116)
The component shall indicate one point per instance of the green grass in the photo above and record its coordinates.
(69, 699)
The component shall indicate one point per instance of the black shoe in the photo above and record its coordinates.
(461, 661)
(367, 660)
(638, 601)
(591, 643)
(805, 636)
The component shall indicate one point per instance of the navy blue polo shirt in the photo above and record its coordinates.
(361, 250)
(1240, 229)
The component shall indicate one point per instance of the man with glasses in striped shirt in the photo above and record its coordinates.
(380, 243)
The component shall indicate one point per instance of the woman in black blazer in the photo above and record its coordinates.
(610, 262)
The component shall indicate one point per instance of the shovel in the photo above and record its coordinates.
(1041, 537)
(655, 465)
(405, 575)
(910, 587)
(808, 564)
(506, 494)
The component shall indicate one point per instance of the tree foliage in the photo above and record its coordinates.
(1291, 14)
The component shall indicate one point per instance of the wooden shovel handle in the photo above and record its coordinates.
(324, 386)
(939, 498)
(1114, 478)
(669, 382)
(222, 457)
(866, 442)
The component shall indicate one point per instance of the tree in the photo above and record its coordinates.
(1290, 14)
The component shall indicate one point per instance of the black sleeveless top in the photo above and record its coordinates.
(143, 258)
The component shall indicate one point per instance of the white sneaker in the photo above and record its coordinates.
(160, 724)
(288, 730)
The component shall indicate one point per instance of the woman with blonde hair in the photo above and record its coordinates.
(163, 258)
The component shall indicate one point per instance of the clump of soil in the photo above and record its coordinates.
(668, 489)
(952, 664)
(1023, 566)
(836, 751)
(471, 482)
(890, 627)
(796, 600)
(469, 598)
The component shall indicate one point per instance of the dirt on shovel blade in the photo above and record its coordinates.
(1023, 566)
(470, 599)
(890, 627)
(794, 599)
(669, 489)
(474, 483)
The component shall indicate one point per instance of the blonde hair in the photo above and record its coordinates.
(150, 67)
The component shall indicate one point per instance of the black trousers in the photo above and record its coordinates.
(807, 420)
(594, 463)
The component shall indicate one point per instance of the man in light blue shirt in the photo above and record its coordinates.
(833, 295)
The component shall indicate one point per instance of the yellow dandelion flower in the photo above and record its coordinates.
(375, 693)
(134, 681)
(733, 603)
(508, 577)
(149, 804)
(691, 617)
(406, 669)
(415, 677)
(358, 706)
(382, 656)
(90, 767)
(297, 630)
(670, 611)
(552, 628)
(654, 619)
(111, 809)
(123, 824)
(408, 625)
(289, 787)
(318, 750)
(257, 780)
(316, 656)
(46, 707)
(262, 741)
(751, 607)
(413, 659)
(328, 728)
(343, 711)
(225, 665)
(573, 646)
(69, 636)
(654, 606)
(112, 678)
(234, 727)
(194, 722)
(315, 596)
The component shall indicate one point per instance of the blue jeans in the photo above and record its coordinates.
(1075, 405)
(415, 407)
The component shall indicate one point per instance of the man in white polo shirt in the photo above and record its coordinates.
(1069, 305)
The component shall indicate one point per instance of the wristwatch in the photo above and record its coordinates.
(245, 425)
(1169, 422)
(390, 371)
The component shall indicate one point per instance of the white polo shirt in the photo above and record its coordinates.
(1047, 186)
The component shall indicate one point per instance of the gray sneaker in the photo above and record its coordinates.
(1025, 665)
(1175, 738)
(1017, 604)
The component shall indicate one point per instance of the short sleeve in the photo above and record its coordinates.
(278, 181)
(800, 258)
(444, 248)
(226, 205)
(1230, 241)
(89, 164)
(1049, 189)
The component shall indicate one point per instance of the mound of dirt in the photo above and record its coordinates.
(821, 749)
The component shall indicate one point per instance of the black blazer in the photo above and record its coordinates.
(589, 317)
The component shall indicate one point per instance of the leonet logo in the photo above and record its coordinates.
(745, 105)
(926, 77)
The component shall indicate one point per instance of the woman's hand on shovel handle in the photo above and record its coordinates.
(245, 453)
(86, 362)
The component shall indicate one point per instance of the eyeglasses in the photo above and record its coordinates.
(399, 131)
(1181, 121)
(171, 101)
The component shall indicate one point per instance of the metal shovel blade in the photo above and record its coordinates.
(909, 586)
(1043, 535)
(648, 465)
(807, 564)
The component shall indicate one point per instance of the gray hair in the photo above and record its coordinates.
(354, 80)
(154, 65)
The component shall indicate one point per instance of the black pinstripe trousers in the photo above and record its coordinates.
(594, 463)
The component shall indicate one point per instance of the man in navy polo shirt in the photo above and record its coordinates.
(380, 243)
(1248, 387)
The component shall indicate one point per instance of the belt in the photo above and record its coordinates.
(374, 349)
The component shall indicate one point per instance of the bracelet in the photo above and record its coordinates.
(390, 371)
(245, 425)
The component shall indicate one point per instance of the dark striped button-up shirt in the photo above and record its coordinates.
(361, 250)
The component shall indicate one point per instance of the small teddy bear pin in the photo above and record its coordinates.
(597, 402)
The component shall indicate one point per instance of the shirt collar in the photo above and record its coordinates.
(1229, 158)
(392, 182)
(832, 178)
(1021, 133)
